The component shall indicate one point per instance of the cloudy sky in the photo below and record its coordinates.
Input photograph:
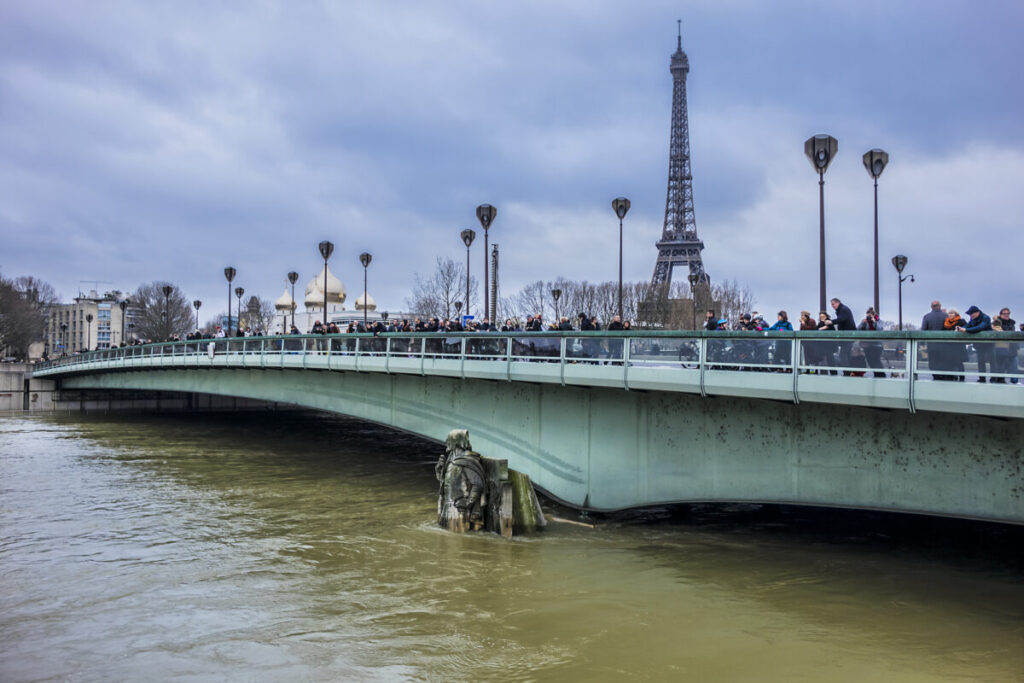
(166, 140)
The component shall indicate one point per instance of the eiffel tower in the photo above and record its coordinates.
(679, 244)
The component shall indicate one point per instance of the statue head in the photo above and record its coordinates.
(458, 438)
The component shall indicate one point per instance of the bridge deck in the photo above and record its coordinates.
(796, 367)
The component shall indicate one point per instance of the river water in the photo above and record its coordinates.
(301, 546)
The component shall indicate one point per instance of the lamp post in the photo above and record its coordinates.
(167, 289)
(485, 213)
(556, 294)
(694, 278)
(292, 277)
(229, 273)
(88, 331)
(365, 259)
(820, 149)
(458, 309)
(621, 206)
(468, 235)
(131, 330)
(123, 305)
(326, 249)
(899, 262)
(239, 291)
(196, 304)
(875, 161)
(63, 338)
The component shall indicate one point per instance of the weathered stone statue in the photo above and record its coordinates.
(483, 493)
(462, 497)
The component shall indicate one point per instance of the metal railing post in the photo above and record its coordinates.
(911, 373)
(703, 358)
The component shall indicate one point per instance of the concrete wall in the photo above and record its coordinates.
(12, 389)
(611, 449)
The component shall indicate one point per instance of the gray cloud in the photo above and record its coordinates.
(168, 140)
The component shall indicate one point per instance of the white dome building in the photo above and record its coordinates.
(315, 293)
(370, 305)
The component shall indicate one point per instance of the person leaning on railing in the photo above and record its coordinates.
(979, 322)
(780, 352)
(1005, 351)
(872, 349)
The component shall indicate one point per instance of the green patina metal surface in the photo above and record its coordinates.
(605, 448)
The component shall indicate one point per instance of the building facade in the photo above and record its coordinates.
(91, 321)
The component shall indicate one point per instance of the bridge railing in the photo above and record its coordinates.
(935, 371)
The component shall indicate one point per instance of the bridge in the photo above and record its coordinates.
(606, 420)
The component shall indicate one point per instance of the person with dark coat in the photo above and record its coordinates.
(710, 320)
(979, 322)
(872, 349)
(1006, 352)
(935, 321)
(615, 324)
(843, 322)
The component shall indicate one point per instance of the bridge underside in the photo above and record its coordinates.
(607, 449)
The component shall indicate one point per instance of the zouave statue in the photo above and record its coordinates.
(462, 497)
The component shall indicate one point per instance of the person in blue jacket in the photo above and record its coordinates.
(782, 346)
(979, 322)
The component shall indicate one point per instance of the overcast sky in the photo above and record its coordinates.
(166, 140)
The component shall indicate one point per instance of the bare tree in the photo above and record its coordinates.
(436, 295)
(24, 305)
(161, 317)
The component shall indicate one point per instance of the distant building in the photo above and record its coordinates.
(68, 328)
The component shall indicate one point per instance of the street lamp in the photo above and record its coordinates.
(458, 309)
(131, 330)
(875, 161)
(821, 149)
(229, 273)
(468, 235)
(123, 306)
(556, 295)
(694, 278)
(63, 338)
(196, 304)
(292, 277)
(365, 259)
(167, 289)
(485, 213)
(239, 291)
(621, 206)
(88, 331)
(900, 262)
(326, 249)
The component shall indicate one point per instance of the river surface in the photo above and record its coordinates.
(301, 546)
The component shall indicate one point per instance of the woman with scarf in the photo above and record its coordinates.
(811, 356)
(954, 355)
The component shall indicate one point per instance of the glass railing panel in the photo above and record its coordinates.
(546, 349)
(962, 359)
(854, 357)
(663, 352)
(594, 349)
(486, 348)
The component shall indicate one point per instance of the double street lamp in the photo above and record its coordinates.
(467, 235)
(821, 149)
(621, 206)
(485, 213)
(229, 273)
(365, 259)
(899, 262)
(875, 161)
